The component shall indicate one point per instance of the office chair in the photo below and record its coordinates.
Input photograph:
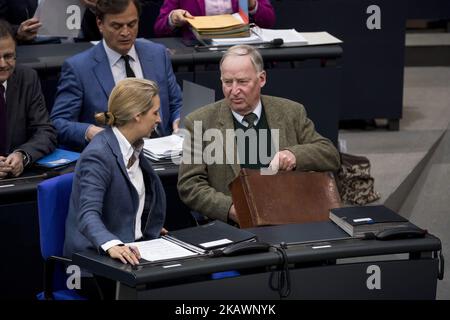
(53, 206)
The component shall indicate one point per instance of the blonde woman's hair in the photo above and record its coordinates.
(129, 98)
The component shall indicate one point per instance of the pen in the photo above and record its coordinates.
(184, 13)
(7, 185)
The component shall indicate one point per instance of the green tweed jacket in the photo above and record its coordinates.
(204, 187)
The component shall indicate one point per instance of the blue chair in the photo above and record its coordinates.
(53, 206)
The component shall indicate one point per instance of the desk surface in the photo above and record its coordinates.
(24, 188)
(50, 56)
(302, 253)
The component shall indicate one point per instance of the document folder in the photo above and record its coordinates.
(215, 234)
(58, 158)
(190, 243)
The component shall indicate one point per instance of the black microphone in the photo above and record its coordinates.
(277, 42)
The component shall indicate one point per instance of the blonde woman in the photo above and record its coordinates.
(116, 196)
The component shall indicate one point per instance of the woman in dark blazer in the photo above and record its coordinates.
(116, 196)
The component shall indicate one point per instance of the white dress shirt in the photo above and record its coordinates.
(215, 7)
(117, 64)
(257, 111)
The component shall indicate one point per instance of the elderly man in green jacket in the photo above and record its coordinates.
(276, 133)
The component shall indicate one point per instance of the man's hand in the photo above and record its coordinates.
(92, 131)
(176, 125)
(283, 160)
(4, 168)
(163, 231)
(28, 29)
(178, 17)
(89, 3)
(251, 4)
(15, 162)
(232, 214)
(126, 254)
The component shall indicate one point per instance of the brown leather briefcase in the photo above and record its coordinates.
(286, 197)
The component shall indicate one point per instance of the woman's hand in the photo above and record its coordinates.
(178, 17)
(126, 254)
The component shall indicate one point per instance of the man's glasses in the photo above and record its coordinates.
(9, 57)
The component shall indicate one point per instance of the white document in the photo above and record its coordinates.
(290, 38)
(161, 249)
(320, 38)
(60, 18)
(261, 36)
(164, 147)
(253, 39)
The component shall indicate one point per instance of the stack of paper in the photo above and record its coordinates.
(164, 148)
(252, 39)
(219, 26)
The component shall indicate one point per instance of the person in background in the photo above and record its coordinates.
(203, 187)
(117, 197)
(173, 14)
(87, 78)
(20, 15)
(89, 28)
(26, 133)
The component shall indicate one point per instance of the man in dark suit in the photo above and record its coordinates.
(26, 133)
(88, 78)
(89, 25)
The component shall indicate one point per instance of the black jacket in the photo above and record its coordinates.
(29, 126)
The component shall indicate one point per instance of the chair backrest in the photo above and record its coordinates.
(53, 206)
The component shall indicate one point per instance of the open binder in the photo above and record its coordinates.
(213, 235)
(191, 242)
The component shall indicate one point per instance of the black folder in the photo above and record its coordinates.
(216, 234)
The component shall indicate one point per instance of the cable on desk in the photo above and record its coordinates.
(282, 284)
(441, 265)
